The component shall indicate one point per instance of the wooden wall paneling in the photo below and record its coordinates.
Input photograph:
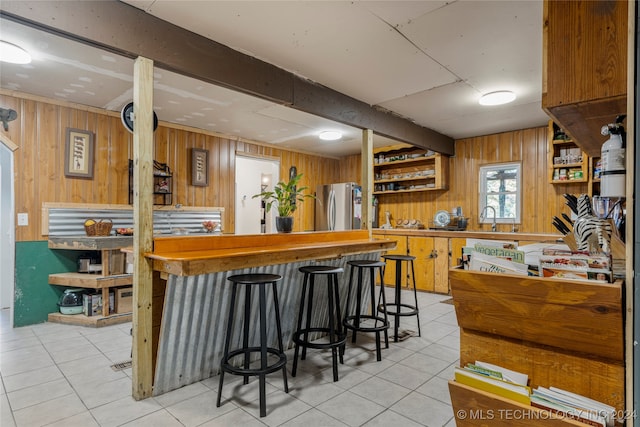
(104, 172)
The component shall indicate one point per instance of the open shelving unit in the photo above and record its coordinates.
(404, 168)
(573, 171)
(112, 276)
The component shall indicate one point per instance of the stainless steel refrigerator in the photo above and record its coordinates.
(338, 206)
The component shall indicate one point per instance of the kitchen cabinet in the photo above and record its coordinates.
(113, 275)
(404, 168)
(577, 345)
(585, 67)
(430, 266)
(400, 249)
(162, 184)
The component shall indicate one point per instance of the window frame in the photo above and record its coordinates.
(483, 171)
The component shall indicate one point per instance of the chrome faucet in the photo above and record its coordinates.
(493, 226)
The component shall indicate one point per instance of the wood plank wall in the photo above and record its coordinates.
(40, 132)
(541, 200)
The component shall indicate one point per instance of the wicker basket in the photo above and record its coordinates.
(98, 228)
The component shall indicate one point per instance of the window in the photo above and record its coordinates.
(500, 189)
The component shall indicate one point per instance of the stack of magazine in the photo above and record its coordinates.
(576, 266)
(574, 406)
(495, 379)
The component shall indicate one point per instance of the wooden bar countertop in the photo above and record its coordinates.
(202, 254)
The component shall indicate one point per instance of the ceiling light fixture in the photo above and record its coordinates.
(14, 54)
(497, 98)
(330, 135)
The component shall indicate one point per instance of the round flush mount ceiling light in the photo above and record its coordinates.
(14, 54)
(330, 135)
(497, 98)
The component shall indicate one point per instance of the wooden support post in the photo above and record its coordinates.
(142, 381)
(367, 179)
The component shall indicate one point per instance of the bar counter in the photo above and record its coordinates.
(191, 291)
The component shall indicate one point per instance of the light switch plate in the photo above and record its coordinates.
(23, 219)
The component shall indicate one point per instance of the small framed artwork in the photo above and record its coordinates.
(78, 154)
(199, 167)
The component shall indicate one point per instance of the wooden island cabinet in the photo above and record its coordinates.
(562, 333)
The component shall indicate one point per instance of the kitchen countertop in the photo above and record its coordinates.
(533, 237)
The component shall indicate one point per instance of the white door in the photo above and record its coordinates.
(252, 176)
(7, 230)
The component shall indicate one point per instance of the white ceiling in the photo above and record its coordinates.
(428, 61)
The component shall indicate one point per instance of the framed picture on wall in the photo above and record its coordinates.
(199, 167)
(78, 154)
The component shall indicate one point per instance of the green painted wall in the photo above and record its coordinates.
(34, 297)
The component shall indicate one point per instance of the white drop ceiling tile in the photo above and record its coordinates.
(485, 32)
(453, 109)
(399, 13)
(514, 118)
(328, 42)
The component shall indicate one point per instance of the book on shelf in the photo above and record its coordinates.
(492, 264)
(507, 374)
(500, 252)
(598, 413)
(501, 387)
(566, 411)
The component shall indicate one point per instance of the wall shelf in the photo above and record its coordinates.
(406, 169)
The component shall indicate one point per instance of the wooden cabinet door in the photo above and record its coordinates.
(401, 249)
(424, 250)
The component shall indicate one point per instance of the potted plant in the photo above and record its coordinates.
(285, 195)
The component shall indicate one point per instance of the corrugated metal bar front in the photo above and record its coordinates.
(195, 316)
(70, 221)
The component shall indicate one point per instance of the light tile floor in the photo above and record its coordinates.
(61, 375)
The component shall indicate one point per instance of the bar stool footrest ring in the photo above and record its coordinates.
(398, 309)
(277, 365)
(349, 325)
(341, 339)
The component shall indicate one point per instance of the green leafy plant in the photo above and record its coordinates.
(285, 195)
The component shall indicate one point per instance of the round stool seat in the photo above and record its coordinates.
(399, 257)
(364, 263)
(254, 278)
(320, 269)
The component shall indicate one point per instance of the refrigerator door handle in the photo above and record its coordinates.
(331, 210)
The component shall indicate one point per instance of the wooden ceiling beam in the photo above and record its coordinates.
(128, 31)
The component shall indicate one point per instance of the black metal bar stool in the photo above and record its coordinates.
(397, 308)
(336, 337)
(353, 322)
(226, 365)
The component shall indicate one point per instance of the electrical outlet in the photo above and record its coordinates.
(23, 219)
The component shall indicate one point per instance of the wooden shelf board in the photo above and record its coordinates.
(92, 321)
(568, 181)
(417, 160)
(411, 190)
(568, 165)
(91, 281)
(415, 178)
